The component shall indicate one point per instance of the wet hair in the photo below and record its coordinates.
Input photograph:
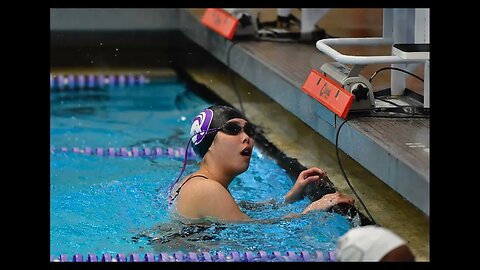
(205, 124)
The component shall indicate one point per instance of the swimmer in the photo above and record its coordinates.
(223, 138)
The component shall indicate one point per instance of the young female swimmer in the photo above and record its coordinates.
(223, 138)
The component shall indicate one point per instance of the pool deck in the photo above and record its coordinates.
(382, 146)
(395, 150)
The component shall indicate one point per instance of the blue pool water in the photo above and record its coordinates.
(117, 204)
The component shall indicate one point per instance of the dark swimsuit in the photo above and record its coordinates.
(178, 190)
(190, 232)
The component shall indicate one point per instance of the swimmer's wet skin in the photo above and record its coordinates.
(223, 138)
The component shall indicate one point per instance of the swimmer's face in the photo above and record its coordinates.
(233, 145)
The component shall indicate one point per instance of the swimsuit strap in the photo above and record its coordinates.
(195, 175)
(190, 177)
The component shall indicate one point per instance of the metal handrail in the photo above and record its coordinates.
(324, 45)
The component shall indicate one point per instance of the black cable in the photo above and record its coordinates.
(338, 156)
(345, 175)
(278, 40)
(230, 74)
(393, 103)
(388, 101)
(394, 68)
(274, 25)
(289, 39)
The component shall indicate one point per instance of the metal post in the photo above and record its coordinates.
(403, 32)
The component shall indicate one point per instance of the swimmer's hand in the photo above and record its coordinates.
(304, 179)
(327, 201)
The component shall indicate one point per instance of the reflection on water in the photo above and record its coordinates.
(110, 205)
(175, 236)
(315, 231)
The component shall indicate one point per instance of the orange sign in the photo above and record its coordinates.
(328, 92)
(220, 21)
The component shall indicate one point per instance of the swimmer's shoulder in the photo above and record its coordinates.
(202, 186)
(197, 196)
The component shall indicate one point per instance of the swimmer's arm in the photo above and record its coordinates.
(296, 193)
(287, 217)
(260, 205)
(306, 177)
(322, 204)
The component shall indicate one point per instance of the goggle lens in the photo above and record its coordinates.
(234, 128)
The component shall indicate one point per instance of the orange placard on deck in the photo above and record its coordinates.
(220, 21)
(328, 92)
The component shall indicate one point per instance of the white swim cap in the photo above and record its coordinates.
(367, 244)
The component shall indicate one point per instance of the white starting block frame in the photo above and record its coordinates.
(400, 26)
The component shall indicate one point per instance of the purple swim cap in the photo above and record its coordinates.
(209, 120)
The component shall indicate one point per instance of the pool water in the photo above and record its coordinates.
(117, 204)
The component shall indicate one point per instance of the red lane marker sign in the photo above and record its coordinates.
(220, 21)
(328, 92)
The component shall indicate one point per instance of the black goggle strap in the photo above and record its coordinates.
(170, 198)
